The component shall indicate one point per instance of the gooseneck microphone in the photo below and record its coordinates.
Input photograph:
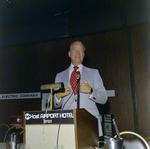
(78, 75)
(78, 87)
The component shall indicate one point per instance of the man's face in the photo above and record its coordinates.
(76, 53)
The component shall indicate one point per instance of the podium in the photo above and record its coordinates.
(78, 129)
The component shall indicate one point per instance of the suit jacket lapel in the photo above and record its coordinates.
(65, 77)
(84, 73)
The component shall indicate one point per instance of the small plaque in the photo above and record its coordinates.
(108, 125)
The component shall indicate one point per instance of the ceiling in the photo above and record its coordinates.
(25, 12)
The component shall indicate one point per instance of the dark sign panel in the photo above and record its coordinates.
(49, 117)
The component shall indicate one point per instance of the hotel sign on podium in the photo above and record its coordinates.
(78, 129)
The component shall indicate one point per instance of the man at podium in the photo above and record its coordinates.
(91, 89)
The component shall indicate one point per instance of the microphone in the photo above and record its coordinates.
(78, 86)
(78, 75)
(52, 86)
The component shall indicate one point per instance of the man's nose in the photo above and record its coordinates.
(78, 52)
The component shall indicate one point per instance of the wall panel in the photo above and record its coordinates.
(141, 58)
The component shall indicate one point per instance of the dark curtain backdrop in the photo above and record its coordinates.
(25, 68)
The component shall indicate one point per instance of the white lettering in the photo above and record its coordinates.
(49, 115)
(35, 116)
(47, 121)
(66, 115)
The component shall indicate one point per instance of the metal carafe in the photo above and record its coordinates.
(111, 143)
(12, 140)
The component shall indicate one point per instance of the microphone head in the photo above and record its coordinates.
(78, 74)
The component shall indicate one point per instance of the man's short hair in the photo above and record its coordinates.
(78, 42)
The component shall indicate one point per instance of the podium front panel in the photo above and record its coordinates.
(78, 129)
(41, 129)
(45, 136)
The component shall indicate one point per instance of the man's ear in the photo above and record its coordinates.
(69, 53)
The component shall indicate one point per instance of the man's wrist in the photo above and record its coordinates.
(58, 96)
(91, 91)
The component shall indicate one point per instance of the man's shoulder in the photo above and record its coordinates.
(63, 72)
(89, 69)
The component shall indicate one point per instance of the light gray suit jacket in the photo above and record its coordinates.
(93, 77)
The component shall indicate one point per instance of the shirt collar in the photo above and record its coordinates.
(71, 68)
(80, 66)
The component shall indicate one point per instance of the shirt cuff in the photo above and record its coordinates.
(91, 96)
(57, 100)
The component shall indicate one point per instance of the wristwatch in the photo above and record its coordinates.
(91, 91)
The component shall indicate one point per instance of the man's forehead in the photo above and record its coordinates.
(77, 45)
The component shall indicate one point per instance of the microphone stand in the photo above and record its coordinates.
(78, 93)
(51, 99)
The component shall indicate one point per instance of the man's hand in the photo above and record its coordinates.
(85, 87)
(63, 92)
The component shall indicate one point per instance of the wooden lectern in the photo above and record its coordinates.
(78, 129)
